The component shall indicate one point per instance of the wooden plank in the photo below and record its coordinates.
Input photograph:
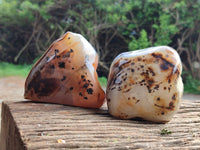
(10, 136)
(28, 125)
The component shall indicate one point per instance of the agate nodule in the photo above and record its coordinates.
(66, 74)
(145, 83)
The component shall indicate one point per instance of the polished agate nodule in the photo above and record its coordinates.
(145, 83)
(66, 74)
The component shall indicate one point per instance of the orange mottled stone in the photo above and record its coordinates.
(66, 74)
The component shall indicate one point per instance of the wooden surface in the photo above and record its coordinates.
(28, 125)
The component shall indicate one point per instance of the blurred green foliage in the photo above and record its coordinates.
(140, 43)
(103, 81)
(8, 69)
(28, 27)
(191, 85)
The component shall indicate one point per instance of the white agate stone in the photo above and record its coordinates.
(146, 83)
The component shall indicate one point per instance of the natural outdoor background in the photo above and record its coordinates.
(28, 27)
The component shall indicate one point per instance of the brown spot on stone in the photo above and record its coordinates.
(80, 94)
(169, 80)
(34, 81)
(156, 87)
(165, 64)
(158, 106)
(151, 71)
(116, 64)
(64, 77)
(125, 79)
(171, 107)
(171, 104)
(127, 90)
(119, 88)
(123, 65)
(156, 55)
(111, 82)
(82, 76)
(137, 101)
(90, 91)
(68, 53)
(44, 87)
(61, 64)
(56, 51)
(149, 90)
(113, 88)
(85, 85)
(150, 82)
(174, 97)
(118, 81)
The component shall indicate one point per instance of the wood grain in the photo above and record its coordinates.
(32, 126)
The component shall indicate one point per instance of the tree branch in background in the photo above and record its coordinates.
(198, 48)
(24, 48)
(103, 65)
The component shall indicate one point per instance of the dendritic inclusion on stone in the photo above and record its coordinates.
(145, 83)
(66, 74)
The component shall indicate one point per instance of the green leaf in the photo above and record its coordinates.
(165, 132)
(140, 43)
